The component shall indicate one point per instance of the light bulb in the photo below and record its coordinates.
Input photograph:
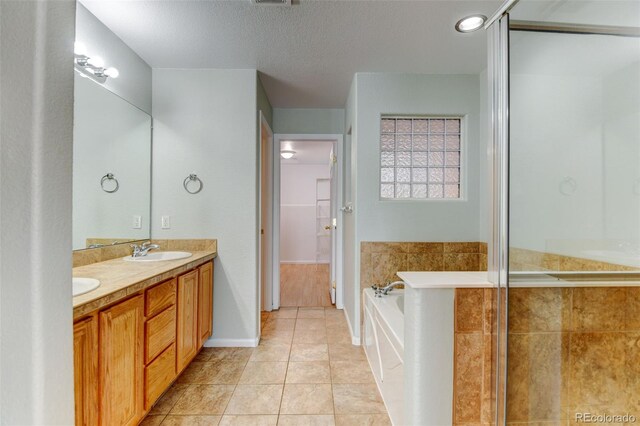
(112, 72)
(96, 61)
(470, 23)
(287, 154)
(79, 48)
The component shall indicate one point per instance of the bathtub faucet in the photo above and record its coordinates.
(383, 291)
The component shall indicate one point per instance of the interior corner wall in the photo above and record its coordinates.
(315, 121)
(351, 252)
(36, 132)
(134, 82)
(204, 123)
(263, 102)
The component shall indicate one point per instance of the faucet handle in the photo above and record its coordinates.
(145, 244)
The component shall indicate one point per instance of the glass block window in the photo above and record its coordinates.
(420, 157)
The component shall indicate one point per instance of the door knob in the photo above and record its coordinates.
(328, 227)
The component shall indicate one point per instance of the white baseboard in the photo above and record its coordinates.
(302, 262)
(231, 343)
(354, 340)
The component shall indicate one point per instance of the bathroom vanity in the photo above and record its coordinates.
(136, 332)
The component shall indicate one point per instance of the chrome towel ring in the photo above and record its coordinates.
(192, 178)
(108, 178)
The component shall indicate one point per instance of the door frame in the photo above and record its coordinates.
(265, 288)
(277, 139)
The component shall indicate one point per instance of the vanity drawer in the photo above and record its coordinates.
(160, 332)
(159, 375)
(160, 297)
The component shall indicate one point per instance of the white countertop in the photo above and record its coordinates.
(445, 279)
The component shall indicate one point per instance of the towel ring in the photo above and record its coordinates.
(109, 177)
(192, 178)
(568, 186)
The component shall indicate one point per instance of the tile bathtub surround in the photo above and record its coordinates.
(531, 260)
(280, 382)
(379, 261)
(573, 350)
(101, 254)
(474, 370)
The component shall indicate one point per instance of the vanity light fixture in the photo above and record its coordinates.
(470, 23)
(92, 66)
(286, 154)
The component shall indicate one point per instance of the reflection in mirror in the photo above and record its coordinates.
(111, 168)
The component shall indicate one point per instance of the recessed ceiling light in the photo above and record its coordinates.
(286, 154)
(470, 23)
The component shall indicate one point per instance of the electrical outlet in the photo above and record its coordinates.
(166, 222)
(137, 222)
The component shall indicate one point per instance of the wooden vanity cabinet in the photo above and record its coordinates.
(128, 354)
(85, 364)
(205, 302)
(121, 363)
(187, 334)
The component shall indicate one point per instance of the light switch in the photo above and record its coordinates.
(166, 222)
(137, 222)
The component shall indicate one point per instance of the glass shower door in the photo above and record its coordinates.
(573, 336)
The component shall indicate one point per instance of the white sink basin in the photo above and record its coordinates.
(84, 285)
(159, 256)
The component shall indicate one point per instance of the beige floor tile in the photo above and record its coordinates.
(309, 352)
(190, 374)
(169, 399)
(338, 334)
(252, 420)
(255, 399)
(310, 313)
(306, 420)
(242, 354)
(270, 336)
(346, 352)
(336, 321)
(204, 355)
(310, 336)
(264, 373)
(357, 399)
(271, 352)
(152, 420)
(226, 372)
(362, 420)
(284, 313)
(218, 354)
(310, 323)
(351, 372)
(203, 399)
(280, 324)
(309, 372)
(191, 420)
(307, 399)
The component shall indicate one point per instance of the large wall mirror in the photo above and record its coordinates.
(111, 168)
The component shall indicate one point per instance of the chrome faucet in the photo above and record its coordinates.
(383, 291)
(143, 249)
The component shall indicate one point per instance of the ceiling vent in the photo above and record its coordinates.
(272, 2)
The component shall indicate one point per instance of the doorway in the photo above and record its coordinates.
(307, 190)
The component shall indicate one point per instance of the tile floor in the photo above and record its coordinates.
(305, 372)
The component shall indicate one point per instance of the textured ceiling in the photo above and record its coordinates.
(307, 53)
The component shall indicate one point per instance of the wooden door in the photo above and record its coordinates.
(187, 333)
(205, 302)
(85, 363)
(122, 363)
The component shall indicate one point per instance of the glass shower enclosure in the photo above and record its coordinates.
(565, 87)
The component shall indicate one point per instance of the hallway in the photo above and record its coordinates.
(304, 285)
(304, 372)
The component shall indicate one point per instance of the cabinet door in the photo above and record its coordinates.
(187, 333)
(122, 363)
(205, 302)
(85, 363)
